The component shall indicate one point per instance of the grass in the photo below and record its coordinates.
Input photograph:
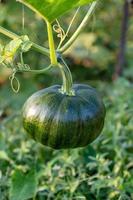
(102, 170)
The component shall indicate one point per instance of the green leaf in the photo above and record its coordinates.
(27, 44)
(8, 53)
(23, 186)
(1, 54)
(1, 49)
(11, 49)
(52, 9)
(1, 59)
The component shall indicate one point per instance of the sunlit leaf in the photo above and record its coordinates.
(11, 49)
(52, 9)
(8, 53)
(26, 44)
(1, 49)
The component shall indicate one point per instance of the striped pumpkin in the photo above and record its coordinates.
(60, 121)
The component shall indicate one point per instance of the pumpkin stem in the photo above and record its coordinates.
(53, 57)
(67, 77)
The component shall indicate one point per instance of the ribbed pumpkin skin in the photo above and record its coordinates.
(61, 121)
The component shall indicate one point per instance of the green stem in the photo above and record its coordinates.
(67, 78)
(53, 57)
(35, 46)
(35, 71)
(80, 28)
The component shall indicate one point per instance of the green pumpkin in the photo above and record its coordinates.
(61, 121)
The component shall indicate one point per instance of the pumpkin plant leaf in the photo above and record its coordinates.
(9, 52)
(23, 186)
(27, 44)
(1, 59)
(11, 49)
(52, 9)
(1, 48)
(1, 54)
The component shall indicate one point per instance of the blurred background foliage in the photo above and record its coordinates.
(104, 169)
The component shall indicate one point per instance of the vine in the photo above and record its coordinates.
(79, 29)
(22, 44)
(15, 84)
(60, 31)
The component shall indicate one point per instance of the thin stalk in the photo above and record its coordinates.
(35, 46)
(80, 28)
(70, 25)
(53, 57)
